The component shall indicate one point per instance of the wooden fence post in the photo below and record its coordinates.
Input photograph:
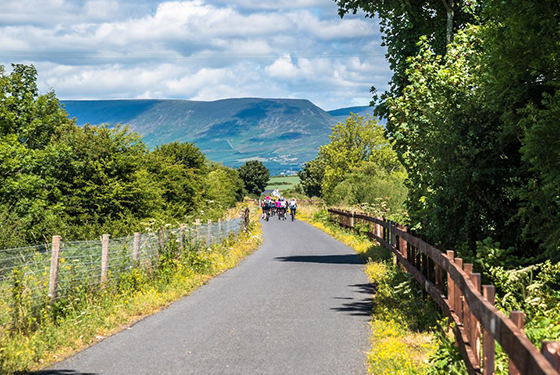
(227, 228)
(351, 220)
(182, 237)
(475, 324)
(136, 247)
(518, 318)
(458, 294)
(161, 239)
(450, 283)
(403, 245)
(197, 224)
(104, 258)
(467, 317)
(551, 351)
(489, 347)
(209, 236)
(54, 267)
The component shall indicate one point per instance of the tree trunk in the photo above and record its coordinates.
(449, 5)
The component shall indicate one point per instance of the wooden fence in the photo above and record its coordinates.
(456, 288)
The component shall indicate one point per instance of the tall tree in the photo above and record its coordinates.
(255, 176)
(402, 24)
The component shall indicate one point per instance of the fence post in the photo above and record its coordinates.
(209, 236)
(161, 238)
(181, 237)
(475, 324)
(104, 258)
(352, 219)
(197, 224)
(458, 294)
(220, 229)
(136, 247)
(518, 318)
(54, 268)
(467, 324)
(551, 351)
(450, 283)
(403, 245)
(227, 228)
(489, 347)
(393, 234)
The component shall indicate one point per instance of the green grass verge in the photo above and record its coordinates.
(408, 335)
(35, 342)
(282, 182)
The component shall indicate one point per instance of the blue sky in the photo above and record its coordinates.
(199, 50)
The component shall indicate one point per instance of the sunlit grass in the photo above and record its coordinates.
(99, 315)
(402, 322)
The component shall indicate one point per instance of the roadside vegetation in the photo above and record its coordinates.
(80, 182)
(408, 334)
(473, 163)
(86, 315)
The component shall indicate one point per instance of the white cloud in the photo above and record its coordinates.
(195, 49)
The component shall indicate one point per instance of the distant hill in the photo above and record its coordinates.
(283, 133)
(345, 112)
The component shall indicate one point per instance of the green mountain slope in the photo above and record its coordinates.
(283, 133)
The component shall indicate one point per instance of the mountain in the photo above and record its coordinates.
(343, 113)
(283, 133)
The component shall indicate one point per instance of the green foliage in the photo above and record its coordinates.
(255, 176)
(81, 182)
(402, 24)
(311, 176)
(446, 359)
(223, 187)
(357, 167)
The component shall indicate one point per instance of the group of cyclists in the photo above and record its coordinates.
(278, 207)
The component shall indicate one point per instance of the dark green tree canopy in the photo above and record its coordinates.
(255, 176)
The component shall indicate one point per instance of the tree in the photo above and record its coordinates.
(255, 176)
(402, 24)
(311, 176)
(356, 140)
(522, 74)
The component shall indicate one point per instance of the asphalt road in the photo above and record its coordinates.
(299, 305)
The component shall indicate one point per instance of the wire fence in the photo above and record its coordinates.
(35, 277)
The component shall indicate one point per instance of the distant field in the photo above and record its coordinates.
(282, 182)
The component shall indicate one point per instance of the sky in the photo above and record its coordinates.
(197, 50)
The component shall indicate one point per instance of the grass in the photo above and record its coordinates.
(96, 315)
(282, 182)
(406, 334)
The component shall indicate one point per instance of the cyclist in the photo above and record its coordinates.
(278, 207)
(267, 207)
(293, 207)
(284, 207)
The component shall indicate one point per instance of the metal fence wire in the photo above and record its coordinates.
(27, 274)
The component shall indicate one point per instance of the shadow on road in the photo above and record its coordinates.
(325, 259)
(59, 372)
(356, 307)
(368, 288)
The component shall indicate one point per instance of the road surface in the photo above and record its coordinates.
(299, 305)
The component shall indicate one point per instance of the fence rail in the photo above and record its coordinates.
(52, 271)
(456, 289)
